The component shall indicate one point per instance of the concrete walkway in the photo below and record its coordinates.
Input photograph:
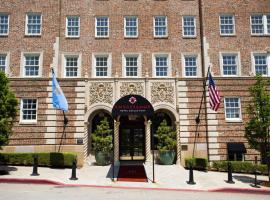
(172, 177)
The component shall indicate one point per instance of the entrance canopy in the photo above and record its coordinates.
(132, 105)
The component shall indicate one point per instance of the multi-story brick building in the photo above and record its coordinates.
(102, 50)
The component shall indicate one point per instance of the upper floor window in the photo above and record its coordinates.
(131, 26)
(4, 24)
(71, 67)
(189, 26)
(230, 64)
(33, 24)
(28, 110)
(31, 65)
(131, 66)
(190, 66)
(232, 108)
(102, 27)
(227, 25)
(3, 62)
(260, 24)
(73, 26)
(160, 26)
(101, 65)
(261, 64)
(161, 65)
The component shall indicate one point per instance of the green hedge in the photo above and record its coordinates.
(197, 163)
(239, 166)
(44, 159)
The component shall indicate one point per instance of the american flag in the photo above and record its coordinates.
(213, 94)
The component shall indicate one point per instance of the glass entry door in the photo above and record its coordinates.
(132, 143)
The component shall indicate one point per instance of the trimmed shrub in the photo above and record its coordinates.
(44, 159)
(239, 167)
(197, 163)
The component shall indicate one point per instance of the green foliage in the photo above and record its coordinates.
(257, 128)
(240, 167)
(102, 137)
(44, 159)
(197, 163)
(166, 137)
(8, 109)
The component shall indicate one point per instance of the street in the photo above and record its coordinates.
(44, 192)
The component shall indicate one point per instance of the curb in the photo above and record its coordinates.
(50, 182)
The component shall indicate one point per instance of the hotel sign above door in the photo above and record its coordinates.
(132, 105)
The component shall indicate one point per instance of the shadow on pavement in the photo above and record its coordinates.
(4, 169)
(244, 179)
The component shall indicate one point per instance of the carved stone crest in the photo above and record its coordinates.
(162, 92)
(100, 92)
(131, 88)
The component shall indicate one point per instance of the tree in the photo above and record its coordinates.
(166, 137)
(257, 129)
(102, 137)
(8, 109)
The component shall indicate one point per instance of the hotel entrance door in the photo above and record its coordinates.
(132, 142)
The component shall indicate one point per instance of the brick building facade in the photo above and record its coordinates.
(102, 50)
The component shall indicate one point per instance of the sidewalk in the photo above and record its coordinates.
(172, 177)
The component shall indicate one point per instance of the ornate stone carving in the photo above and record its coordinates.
(131, 88)
(162, 92)
(100, 92)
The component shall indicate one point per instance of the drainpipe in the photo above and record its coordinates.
(203, 71)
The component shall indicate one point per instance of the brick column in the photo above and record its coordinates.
(148, 140)
(116, 141)
(178, 144)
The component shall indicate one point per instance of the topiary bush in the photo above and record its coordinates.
(44, 159)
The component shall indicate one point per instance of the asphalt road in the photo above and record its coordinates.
(45, 192)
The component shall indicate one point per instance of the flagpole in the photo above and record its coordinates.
(197, 119)
(64, 128)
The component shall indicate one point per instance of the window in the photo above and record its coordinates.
(102, 66)
(227, 25)
(131, 67)
(31, 65)
(71, 68)
(261, 64)
(73, 26)
(4, 24)
(102, 27)
(33, 24)
(160, 26)
(29, 110)
(232, 108)
(189, 27)
(260, 24)
(131, 27)
(230, 64)
(161, 65)
(190, 66)
(3, 62)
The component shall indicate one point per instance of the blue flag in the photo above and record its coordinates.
(58, 98)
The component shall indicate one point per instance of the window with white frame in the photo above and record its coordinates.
(71, 66)
(101, 65)
(261, 64)
(230, 64)
(3, 62)
(33, 24)
(131, 67)
(189, 26)
(190, 66)
(131, 26)
(31, 65)
(28, 110)
(260, 24)
(227, 25)
(4, 24)
(161, 65)
(232, 108)
(102, 26)
(72, 26)
(160, 26)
